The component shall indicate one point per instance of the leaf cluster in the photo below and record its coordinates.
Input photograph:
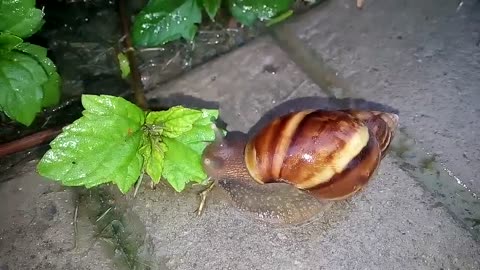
(162, 21)
(116, 142)
(28, 78)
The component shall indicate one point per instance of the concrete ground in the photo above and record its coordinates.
(421, 59)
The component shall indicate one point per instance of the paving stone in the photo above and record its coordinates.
(394, 223)
(422, 58)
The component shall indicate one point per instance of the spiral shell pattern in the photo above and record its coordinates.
(331, 154)
(382, 125)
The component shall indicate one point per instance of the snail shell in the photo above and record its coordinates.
(331, 154)
(328, 154)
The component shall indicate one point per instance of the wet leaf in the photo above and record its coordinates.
(211, 7)
(201, 133)
(241, 15)
(115, 141)
(182, 164)
(21, 82)
(248, 11)
(20, 17)
(100, 147)
(182, 161)
(280, 18)
(174, 121)
(153, 152)
(8, 42)
(162, 21)
(51, 88)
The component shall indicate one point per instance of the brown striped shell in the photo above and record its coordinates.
(330, 154)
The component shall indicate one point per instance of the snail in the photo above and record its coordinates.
(300, 162)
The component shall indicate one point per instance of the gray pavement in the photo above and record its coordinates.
(420, 57)
(394, 224)
(429, 75)
(423, 60)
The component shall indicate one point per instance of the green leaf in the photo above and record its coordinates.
(8, 42)
(20, 17)
(51, 88)
(182, 164)
(248, 11)
(162, 21)
(24, 71)
(183, 160)
(280, 17)
(153, 153)
(21, 81)
(243, 16)
(100, 147)
(184, 133)
(211, 7)
(124, 65)
(202, 132)
(174, 121)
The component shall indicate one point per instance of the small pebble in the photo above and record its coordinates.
(281, 236)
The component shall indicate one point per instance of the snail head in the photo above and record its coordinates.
(223, 158)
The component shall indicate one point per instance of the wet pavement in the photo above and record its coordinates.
(419, 59)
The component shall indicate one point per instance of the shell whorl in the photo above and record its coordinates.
(331, 154)
(383, 125)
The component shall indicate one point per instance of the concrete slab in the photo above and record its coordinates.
(394, 223)
(422, 58)
(37, 227)
(384, 228)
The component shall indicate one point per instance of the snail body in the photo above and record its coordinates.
(330, 155)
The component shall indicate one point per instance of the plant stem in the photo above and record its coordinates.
(28, 141)
(136, 80)
(75, 227)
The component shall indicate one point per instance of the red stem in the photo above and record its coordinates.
(28, 141)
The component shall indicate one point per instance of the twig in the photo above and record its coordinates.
(170, 60)
(103, 215)
(137, 86)
(139, 182)
(75, 229)
(203, 198)
(64, 104)
(152, 49)
(28, 141)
